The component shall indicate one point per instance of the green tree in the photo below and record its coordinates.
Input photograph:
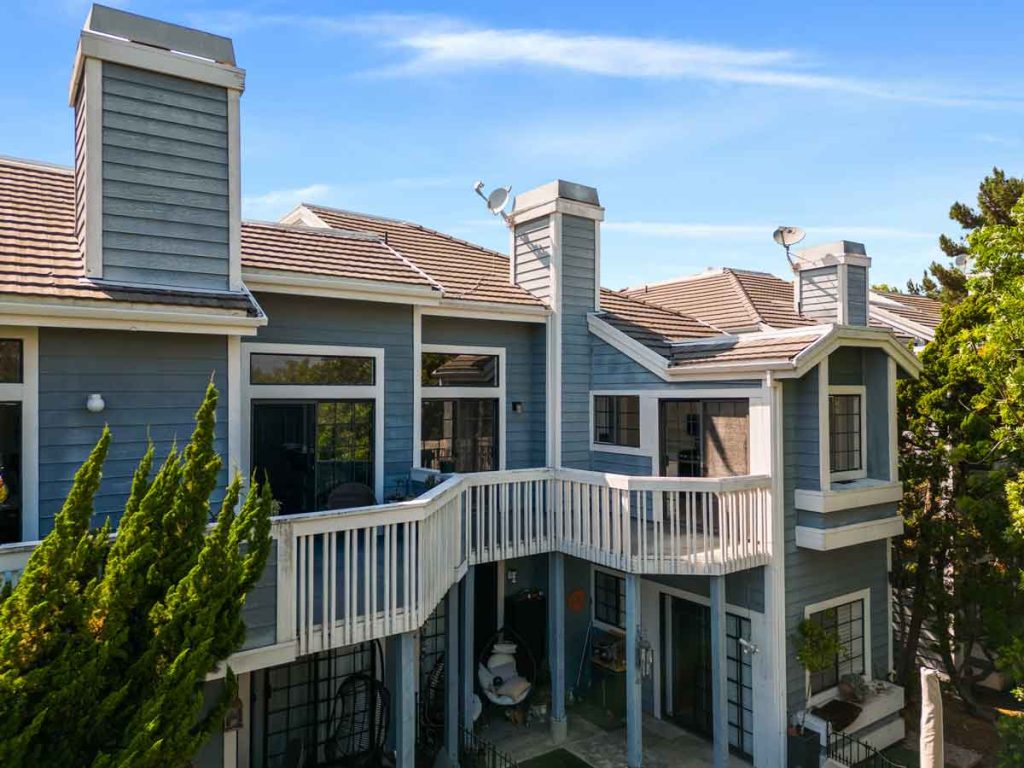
(134, 623)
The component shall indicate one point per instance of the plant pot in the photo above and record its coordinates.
(803, 749)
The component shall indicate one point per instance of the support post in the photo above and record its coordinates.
(634, 714)
(719, 690)
(556, 645)
(468, 646)
(403, 665)
(451, 700)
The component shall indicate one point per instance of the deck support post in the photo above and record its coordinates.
(719, 680)
(556, 645)
(451, 682)
(403, 662)
(468, 647)
(634, 713)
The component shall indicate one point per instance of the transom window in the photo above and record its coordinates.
(609, 599)
(330, 370)
(454, 369)
(847, 621)
(617, 420)
(845, 432)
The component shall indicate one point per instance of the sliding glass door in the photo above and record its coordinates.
(704, 438)
(460, 434)
(318, 454)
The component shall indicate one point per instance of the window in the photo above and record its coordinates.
(333, 370)
(11, 361)
(617, 420)
(459, 435)
(453, 369)
(11, 502)
(846, 433)
(609, 599)
(847, 621)
(704, 438)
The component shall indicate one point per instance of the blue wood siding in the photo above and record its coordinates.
(819, 293)
(152, 384)
(812, 576)
(577, 280)
(857, 294)
(165, 180)
(533, 257)
(876, 381)
(309, 320)
(622, 463)
(525, 377)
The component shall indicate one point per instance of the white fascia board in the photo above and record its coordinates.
(901, 323)
(853, 336)
(92, 45)
(866, 495)
(275, 281)
(628, 346)
(825, 539)
(522, 313)
(131, 317)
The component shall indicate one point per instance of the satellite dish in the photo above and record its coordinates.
(497, 200)
(961, 260)
(788, 236)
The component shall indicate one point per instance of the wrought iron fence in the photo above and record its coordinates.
(476, 752)
(846, 750)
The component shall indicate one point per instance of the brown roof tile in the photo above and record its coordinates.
(917, 309)
(653, 326)
(469, 272)
(743, 349)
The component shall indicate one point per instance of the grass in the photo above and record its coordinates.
(560, 758)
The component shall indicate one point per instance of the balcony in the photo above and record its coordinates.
(342, 577)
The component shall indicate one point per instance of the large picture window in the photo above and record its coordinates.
(846, 433)
(609, 599)
(617, 420)
(705, 438)
(460, 435)
(847, 621)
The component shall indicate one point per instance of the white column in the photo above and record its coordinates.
(556, 645)
(634, 713)
(451, 702)
(719, 690)
(467, 648)
(403, 661)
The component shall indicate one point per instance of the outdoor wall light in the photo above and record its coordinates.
(517, 407)
(512, 575)
(94, 403)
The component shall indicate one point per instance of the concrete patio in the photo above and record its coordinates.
(664, 745)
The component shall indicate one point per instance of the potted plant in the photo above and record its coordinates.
(816, 649)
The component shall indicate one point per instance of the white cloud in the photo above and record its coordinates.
(700, 230)
(272, 205)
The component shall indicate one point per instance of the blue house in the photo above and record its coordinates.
(507, 495)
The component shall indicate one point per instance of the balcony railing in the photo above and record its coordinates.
(349, 576)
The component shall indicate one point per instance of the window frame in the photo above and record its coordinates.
(598, 623)
(27, 393)
(488, 392)
(647, 425)
(600, 445)
(863, 595)
(254, 392)
(860, 391)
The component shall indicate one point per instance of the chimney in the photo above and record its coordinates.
(157, 194)
(832, 283)
(556, 255)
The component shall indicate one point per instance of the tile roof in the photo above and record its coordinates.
(917, 309)
(744, 349)
(39, 255)
(325, 252)
(651, 325)
(466, 271)
(730, 299)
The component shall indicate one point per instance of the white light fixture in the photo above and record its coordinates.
(95, 403)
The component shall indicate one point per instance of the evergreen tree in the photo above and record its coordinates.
(132, 626)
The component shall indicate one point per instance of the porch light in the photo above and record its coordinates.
(94, 403)
(517, 407)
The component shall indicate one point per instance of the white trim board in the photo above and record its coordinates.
(27, 394)
(460, 393)
(860, 493)
(825, 539)
(374, 392)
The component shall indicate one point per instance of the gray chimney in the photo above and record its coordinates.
(832, 283)
(158, 200)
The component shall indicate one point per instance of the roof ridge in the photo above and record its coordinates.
(37, 164)
(743, 293)
(406, 222)
(348, 234)
(661, 308)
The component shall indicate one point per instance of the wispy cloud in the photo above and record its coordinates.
(701, 230)
(999, 141)
(274, 204)
(442, 44)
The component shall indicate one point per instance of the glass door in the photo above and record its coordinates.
(690, 666)
(460, 434)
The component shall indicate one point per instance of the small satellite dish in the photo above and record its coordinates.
(496, 200)
(788, 237)
(961, 260)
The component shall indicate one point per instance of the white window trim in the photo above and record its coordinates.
(27, 393)
(853, 474)
(374, 392)
(630, 450)
(598, 624)
(862, 594)
(461, 393)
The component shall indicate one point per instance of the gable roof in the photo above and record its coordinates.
(39, 254)
(653, 326)
(730, 299)
(919, 315)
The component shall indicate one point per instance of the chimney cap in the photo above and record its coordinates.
(160, 34)
(829, 254)
(558, 194)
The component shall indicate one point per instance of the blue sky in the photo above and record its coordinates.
(703, 125)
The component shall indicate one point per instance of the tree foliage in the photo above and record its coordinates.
(105, 642)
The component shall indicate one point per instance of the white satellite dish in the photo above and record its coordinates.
(961, 260)
(496, 200)
(788, 237)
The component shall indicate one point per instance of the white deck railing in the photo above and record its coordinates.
(349, 576)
